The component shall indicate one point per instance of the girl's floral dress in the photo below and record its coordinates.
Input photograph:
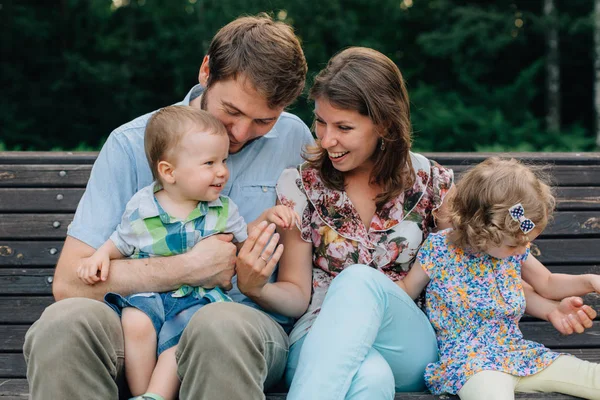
(474, 302)
(340, 239)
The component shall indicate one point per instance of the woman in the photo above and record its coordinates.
(366, 205)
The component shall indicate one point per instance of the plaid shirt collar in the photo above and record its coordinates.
(150, 208)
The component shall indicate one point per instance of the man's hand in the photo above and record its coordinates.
(571, 315)
(213, 259)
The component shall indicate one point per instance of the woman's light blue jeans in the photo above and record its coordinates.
(369, 341)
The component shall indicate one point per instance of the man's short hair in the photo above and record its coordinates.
(168, 126)
(266, 52)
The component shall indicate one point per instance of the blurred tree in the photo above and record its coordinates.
(73, 70)
(552, 68)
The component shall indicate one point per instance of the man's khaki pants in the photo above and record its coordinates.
(228, 351)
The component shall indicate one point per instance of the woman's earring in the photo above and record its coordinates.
(382, 147)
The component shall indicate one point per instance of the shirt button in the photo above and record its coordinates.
(264, 189)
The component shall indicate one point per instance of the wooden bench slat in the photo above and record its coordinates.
(83, 157)
(548, 251)
(34, 226)
(54, 226)
(26, 281)
(28, 253)
(23, 310)
(561, 175)
(558, 251)
(39, 200)
(60, 175)
(73, 175)
(558, 158)
(26, 200)
(12, 337)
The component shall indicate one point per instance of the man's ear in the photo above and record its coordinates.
(165, 171)
(204, 72)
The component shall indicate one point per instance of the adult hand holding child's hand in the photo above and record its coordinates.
(211, 262)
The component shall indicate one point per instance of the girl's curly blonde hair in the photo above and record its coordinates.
(478, 208)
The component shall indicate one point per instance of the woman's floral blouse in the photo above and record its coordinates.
(474, 302)
(340, 239)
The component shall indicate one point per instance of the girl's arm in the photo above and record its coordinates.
(416, 280)
(290, 295)
(557, 286)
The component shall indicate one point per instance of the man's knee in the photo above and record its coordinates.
(222, 324)
(69, 320)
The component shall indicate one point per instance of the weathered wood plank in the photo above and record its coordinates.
(49, 200)
(544, 332)
(23, 310)
(14, 389)
(73, 175)
(47, 157)
(12, 365)
(12, 337)
(64, 175)
(54, 226)
(559, 175)
(28, 253)
(34, 226)
(26, 281)
(559, 158)
(548, 251)
(39, 200)
(560, 251)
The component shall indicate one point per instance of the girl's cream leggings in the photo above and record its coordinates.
(567, 374)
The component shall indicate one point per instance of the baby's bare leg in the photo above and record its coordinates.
(140, 349)
(165, 381)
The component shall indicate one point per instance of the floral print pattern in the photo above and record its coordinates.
(339, 238)
(474, 302)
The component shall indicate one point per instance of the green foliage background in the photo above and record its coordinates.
(71, 71)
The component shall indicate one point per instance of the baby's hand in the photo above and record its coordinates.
(282, 216)
(572, 315)
(595, 282)
(89, 267)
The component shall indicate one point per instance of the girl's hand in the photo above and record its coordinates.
(594, 281)
(282, 216)
(89, 267)
(571, 315)
(257, 259)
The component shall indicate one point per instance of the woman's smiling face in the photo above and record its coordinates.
(349, 137)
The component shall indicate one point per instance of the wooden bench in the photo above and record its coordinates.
(39, 193)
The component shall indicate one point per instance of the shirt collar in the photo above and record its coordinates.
(336, 210)
(150, 208)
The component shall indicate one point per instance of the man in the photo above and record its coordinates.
(254, 68)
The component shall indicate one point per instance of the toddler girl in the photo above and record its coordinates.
(475, 297)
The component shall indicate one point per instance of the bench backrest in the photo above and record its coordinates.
(39, 193)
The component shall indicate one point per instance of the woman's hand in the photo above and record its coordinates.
(257, 259)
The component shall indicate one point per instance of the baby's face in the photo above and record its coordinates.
(200, 166)
(511, 246)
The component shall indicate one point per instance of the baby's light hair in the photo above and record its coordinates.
(168, 126)
(478, 208)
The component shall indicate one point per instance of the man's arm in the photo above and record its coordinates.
(210, 263)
